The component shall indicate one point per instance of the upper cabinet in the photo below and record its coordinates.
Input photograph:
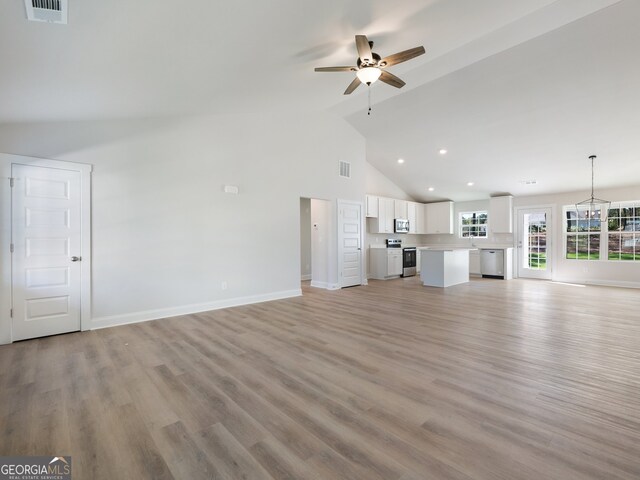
(423, 218)
(372, 206)
(501, 214)
(439, 217)
(411, 216)
(416, 217)
(400, 208)
(383, 222)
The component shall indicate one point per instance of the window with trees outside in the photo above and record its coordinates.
(623, 224)
(473, 224)
(616, 239)
(583, 235)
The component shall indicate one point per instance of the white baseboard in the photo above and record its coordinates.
(600, 283)
(613, 283)
(325, 285)
(305, 277)
(144, 316)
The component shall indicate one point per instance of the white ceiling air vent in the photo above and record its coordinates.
(50, 11)
(345, 169)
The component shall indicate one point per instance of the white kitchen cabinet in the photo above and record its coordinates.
(412, 217)
(383, 223)
(394, 263)
(439, 217)
(400, 208)
(372, 206)
(385, 263)
(421, 224)
(501, 214)
(418, 260)
(474, 262)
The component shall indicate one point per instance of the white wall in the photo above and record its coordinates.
(377, 183)
(602, 272)
(305, 239)
(165, 236)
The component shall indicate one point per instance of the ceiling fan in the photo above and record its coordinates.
(371, 67)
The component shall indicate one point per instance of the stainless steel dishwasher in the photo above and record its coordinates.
(492, 263)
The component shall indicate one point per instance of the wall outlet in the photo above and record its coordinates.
(224, 285)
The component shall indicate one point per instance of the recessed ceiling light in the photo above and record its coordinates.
(401, 160)
(469, 184)
(533, 181)
(431, 189)
(443, 151)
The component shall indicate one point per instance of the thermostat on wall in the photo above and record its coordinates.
(231, 189)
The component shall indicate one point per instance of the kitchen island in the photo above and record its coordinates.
(443, 267)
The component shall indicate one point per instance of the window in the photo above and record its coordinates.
(473, 224)
(618, 237)
(583, 235)
(623, 223)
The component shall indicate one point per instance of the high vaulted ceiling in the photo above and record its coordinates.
(514, 89)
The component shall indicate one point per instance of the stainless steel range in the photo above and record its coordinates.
(409, 261)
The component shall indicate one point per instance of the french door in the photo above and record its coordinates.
(534, 243)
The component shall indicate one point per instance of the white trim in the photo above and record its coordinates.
(600, 283)
(305, 278)
(613, 283)
(147, 315)
(325, 285)
(6, 160)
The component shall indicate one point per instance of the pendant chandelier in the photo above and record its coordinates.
(595, 208)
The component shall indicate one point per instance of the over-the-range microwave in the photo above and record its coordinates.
(401, 225)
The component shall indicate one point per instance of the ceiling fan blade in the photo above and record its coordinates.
(391, 79)
(364, 49)
(335, 69)
(401, 57)
(352, 86)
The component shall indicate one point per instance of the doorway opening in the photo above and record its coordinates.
(331, 240)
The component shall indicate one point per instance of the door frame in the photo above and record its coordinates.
(6, 275)
(551, 239)
(363, 272)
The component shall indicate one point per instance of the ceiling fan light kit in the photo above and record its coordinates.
(593, 206)
(368, 75)
(370, 67)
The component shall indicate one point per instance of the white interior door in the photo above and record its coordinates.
(534, 243)
(350, 243)
(46, 238)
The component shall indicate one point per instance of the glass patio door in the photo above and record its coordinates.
(534, 243)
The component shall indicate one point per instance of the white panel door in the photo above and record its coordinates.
(534, 243)
(46, 235)
(350, 243)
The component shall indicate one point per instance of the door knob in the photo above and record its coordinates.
(76, 259)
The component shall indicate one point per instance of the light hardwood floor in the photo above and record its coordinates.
(488, 380)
